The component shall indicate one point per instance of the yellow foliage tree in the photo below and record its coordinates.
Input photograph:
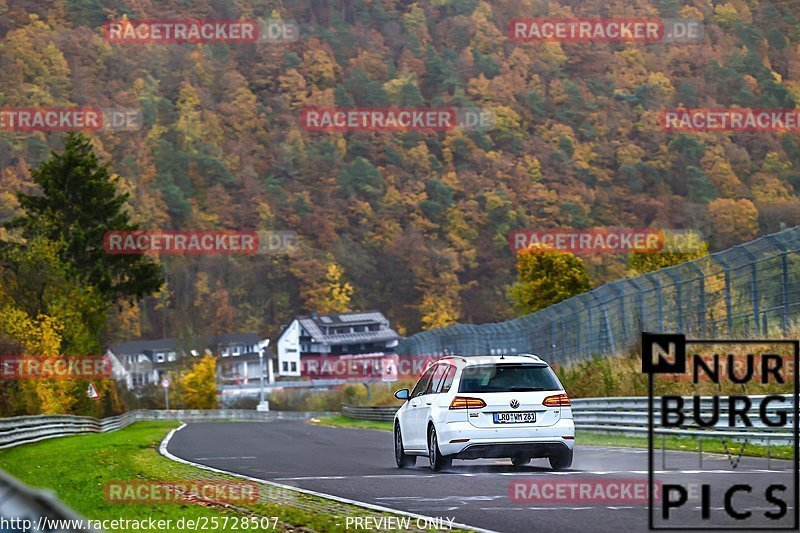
(547, 276)
(39, 337)
(642, 263)
(335, 294)
(199, 385)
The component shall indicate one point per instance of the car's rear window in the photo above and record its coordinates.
(511, 377)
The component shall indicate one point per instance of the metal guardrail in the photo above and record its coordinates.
(26, 429)
(370, 413)
(629, 415)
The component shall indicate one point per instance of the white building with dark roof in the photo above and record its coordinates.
(143, 362)
(335, 334)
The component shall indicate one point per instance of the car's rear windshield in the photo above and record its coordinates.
(511, 377)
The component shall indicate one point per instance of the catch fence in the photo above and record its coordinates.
(751, 290)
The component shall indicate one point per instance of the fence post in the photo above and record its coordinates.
(639, 302)
(606, 325)
(784, 282)
(678, 297)
(659, 301)
(728, 304)
(702, 281)
(753, 287)
(621, 296)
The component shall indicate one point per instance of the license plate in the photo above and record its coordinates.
(515, 418)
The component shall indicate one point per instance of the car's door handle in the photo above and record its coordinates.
(427, 403)
(415, 403)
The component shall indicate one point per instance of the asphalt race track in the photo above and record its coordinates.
(359, 465)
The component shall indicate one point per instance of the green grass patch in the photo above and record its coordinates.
(593, 438)
(346, 422)
(78, 468)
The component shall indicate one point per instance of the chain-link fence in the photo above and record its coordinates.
(748, 291)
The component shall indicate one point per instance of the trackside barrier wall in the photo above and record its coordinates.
(748, 291)
(628, 415)
(24, 429)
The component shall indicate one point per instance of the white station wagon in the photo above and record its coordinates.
(476, 407)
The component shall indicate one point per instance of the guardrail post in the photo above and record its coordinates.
(700, 452)
(769, 456)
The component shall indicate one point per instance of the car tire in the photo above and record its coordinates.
(400, 457)
(561, 460)
(520, 460)
(438, 461)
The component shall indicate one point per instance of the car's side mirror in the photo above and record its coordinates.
(402, 394)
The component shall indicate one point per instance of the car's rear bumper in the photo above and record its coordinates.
(464, 441)
(526, 449)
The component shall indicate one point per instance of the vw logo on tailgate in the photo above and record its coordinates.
(514, 404)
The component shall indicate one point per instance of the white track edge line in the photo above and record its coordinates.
(162, 449)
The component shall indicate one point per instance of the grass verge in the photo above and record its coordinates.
(78, 468)
(346, 422)
(593, 438)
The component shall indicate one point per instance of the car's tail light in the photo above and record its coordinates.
(461, 402)
(559, 400)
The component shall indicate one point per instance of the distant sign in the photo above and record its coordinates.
(165, 384)
(91, 392)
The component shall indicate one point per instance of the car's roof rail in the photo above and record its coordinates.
(532, 356)
(452, 357)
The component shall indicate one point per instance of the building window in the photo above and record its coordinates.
(285, 366)
(160, 357)
(294, 366)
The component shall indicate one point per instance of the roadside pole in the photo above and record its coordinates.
(165, 384)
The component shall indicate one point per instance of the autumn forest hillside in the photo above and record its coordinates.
(412, 223)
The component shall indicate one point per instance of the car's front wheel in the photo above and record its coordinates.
(561, 460)
(400, 457)
(438, 461)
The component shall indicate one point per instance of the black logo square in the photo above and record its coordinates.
(670, 349)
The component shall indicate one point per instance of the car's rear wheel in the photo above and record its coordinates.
(400, 457)
(520, 460)
(561, 460)
(438, 461)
